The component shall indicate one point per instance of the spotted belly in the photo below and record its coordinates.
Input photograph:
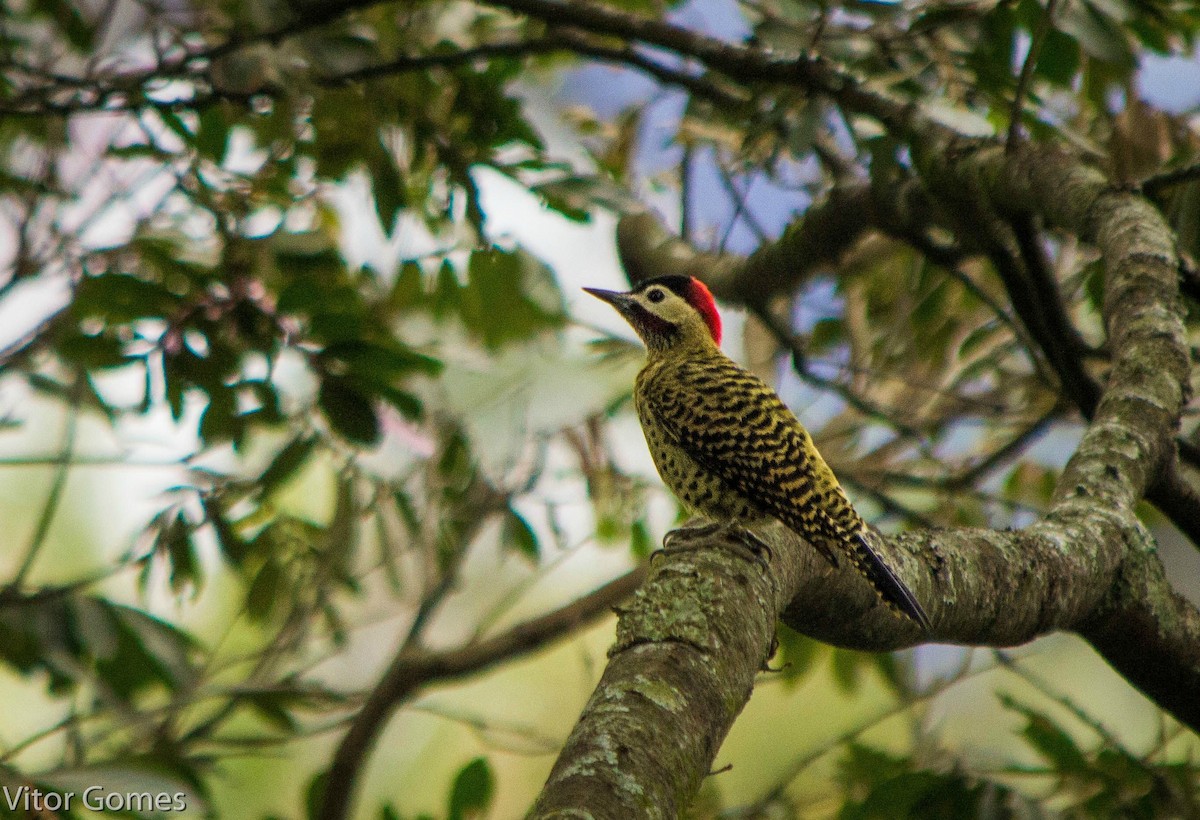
(700, 491)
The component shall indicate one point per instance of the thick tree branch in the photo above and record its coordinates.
(828, 230)
(982, 195)
(1151, 635)
(688, 648)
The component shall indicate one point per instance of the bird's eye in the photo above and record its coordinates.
(655, 295)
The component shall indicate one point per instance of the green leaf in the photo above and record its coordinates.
(825, 334)
(919, 795)
(268, 410)
(219, 421)
(570, 197)
(1049, 739)
(1058, 61)
(797, 654)
(287, 462)
(147, 652)
(447, 293)
(175, 387)
(177, 125)
(407, 512)
(510, 296)
(1183, 212)
(232, 545)
(272, 707)
(976, 339)
(472, 791)
(496, 118)
(890, 670)
(348, 411)
(455, 462)
(93, 352)
(346, 125)
(992, 57)
(866, 765)
(264, 591)
(380, 361)
(408, 292)
(409, 405)
(1097, 33)
(387, 186)
(314, 795)
(66, 14)
(88, 397)
(847, 668)
(175, 542)
(139, 151)
(212, 137)
(640, 542)
(341, 533)
(519, 535)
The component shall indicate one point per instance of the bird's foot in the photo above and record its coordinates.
(758, 547)
(678, 540)
(690, 532)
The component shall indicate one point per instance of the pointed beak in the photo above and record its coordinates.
(620, 301)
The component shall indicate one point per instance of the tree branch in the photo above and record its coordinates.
(688, 648)
(1035, 48)
(1155, 185)
(751, 64)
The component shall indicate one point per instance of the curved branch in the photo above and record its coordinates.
(828, 230)
(688, 648)
(1151, 636)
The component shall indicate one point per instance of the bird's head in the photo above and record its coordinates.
(668, 312)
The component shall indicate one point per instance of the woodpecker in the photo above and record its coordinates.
(727, 445)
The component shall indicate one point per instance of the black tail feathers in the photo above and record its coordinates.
(893, 591)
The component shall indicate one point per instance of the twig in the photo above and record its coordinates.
(1155, 185)
(412, 670)
(783, 337)
(1000, 455)
(1111, 741)
(38, 540)
(889, 504)
(740, 208)
(1035, 47)
(313, 16)
(685, 190)
(127, 92)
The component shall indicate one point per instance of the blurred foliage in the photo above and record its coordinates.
(172, 183)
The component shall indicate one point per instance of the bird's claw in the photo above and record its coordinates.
(690, 532)
(761, 550)
(757, 547)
